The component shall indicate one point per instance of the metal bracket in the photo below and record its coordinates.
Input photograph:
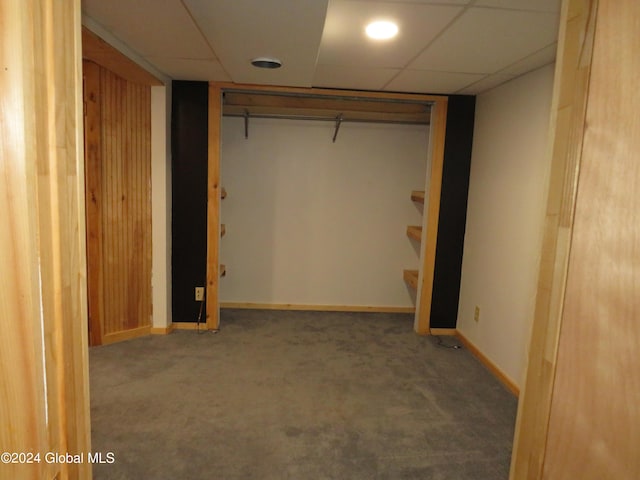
(246, 123)
(338, 122)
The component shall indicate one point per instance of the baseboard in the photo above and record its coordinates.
(126, 335)
(189, 326)
(443, 331)
(319, 308)
(492, 367)
(163, 330)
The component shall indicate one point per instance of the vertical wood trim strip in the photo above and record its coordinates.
(44, 395)
(93, 196)
(213, 207)
(566, 128)
(594, 420)
(431, 216)
(22, 400)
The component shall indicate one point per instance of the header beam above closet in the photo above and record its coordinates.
(313, 103)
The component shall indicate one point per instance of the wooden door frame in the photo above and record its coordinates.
(430, 215)
(568, 111)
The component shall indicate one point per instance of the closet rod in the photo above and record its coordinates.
(325, 119)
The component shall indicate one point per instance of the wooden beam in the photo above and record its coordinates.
(214, 196)
(431, 216)
(301, 102)
(98, 51)
(44, 402)
(571, 86)
(329, 93)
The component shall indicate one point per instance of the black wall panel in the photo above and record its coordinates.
(453, 211)
(189, 120)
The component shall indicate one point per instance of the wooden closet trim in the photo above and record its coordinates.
(431, 212)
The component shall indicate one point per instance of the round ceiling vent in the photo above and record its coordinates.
(266, 62)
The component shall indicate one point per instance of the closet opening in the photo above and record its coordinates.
(317, 212)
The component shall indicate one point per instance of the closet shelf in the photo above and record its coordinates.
(415, 232)
(323, 107)
(417, 196)
(411, 277)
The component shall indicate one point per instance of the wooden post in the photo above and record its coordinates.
(43, 347)
(213, 208)
(431, 216)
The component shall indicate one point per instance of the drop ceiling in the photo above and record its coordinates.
(443, 47)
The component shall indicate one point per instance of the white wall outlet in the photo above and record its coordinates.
(199, 294)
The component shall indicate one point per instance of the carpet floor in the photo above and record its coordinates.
(298, 395)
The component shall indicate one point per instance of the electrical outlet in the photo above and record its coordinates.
(199, 294)
(476, 314)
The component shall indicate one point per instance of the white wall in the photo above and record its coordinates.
(507, 198)
(311, 222)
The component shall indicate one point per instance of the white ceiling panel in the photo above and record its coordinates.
(417, 81)
(443, 46)
(362, 78)
(487, 83)
(536, 60)
(485, 40)
(240, 30)
(189, 69)
(151, 27)
(345, 43)
(552, 6)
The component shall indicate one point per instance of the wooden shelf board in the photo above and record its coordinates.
(417, 196)
(348, 108)
(411, 277)
(415, 232)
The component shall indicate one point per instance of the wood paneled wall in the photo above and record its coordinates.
(44, 402)
(579, 416)
(118, 140)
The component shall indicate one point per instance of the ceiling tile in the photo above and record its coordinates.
(487, 83)
(189, 69)
(362, 78)
(423, 81)
(532, 5)
(240, 30)
(151, 27)
(536, 60)
(487, 40)
(345, 43)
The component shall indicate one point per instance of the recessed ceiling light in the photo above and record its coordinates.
(382, 30)
(266, 62)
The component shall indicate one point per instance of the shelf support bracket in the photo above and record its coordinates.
(338, 122)
(246, 123)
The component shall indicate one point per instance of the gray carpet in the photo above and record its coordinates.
(298, 395)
